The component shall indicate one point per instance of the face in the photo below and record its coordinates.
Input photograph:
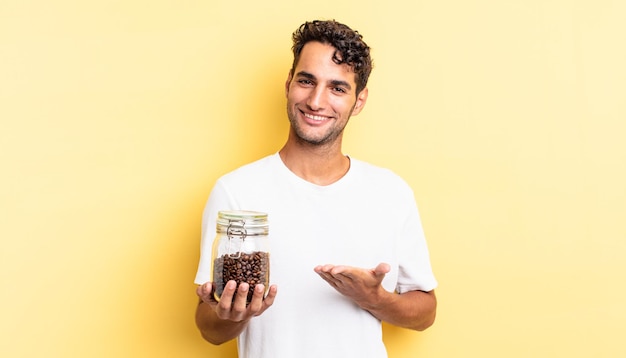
(321, 96)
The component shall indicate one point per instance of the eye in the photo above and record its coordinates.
(339, 89)
(305, 82)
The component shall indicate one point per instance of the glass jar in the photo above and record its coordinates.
(240, 251)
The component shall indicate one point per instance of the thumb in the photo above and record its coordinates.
(382, 269)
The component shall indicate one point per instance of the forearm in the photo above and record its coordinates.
(215, 330)
(414, 309)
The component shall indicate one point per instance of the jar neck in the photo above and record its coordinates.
(242, 223)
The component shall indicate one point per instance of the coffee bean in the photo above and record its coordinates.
(251, 268)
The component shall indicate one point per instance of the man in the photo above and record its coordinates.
(347, 245)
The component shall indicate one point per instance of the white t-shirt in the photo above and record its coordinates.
(367, 217)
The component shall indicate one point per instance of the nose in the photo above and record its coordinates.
(316, 99)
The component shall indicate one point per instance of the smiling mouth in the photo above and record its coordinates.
(315, 118)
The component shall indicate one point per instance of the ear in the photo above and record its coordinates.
(360, 101)
(288, 83)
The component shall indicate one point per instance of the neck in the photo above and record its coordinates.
(320, 166)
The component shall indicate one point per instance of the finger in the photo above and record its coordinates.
(223, 308)
(330, 272)
(201, 291)
(229, 291)
(382, 269)
(330, 279)
(324, 268)
(326, 276)
(268, 300)
(256, 304)
(342, 274)
(271, 295)
(241, 299)
(205, 292)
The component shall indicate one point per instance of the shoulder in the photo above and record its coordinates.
(259, 166)
(258, 171)
(378, 175)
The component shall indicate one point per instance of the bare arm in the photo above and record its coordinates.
(414, 309)
(220, 322)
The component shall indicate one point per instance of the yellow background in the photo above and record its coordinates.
(508, 118)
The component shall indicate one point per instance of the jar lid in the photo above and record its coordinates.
(250, 222)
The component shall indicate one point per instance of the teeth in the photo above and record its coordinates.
(315, 118)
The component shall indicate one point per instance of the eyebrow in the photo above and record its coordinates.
(336, 83)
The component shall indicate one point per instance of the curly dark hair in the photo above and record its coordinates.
(349, 45)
